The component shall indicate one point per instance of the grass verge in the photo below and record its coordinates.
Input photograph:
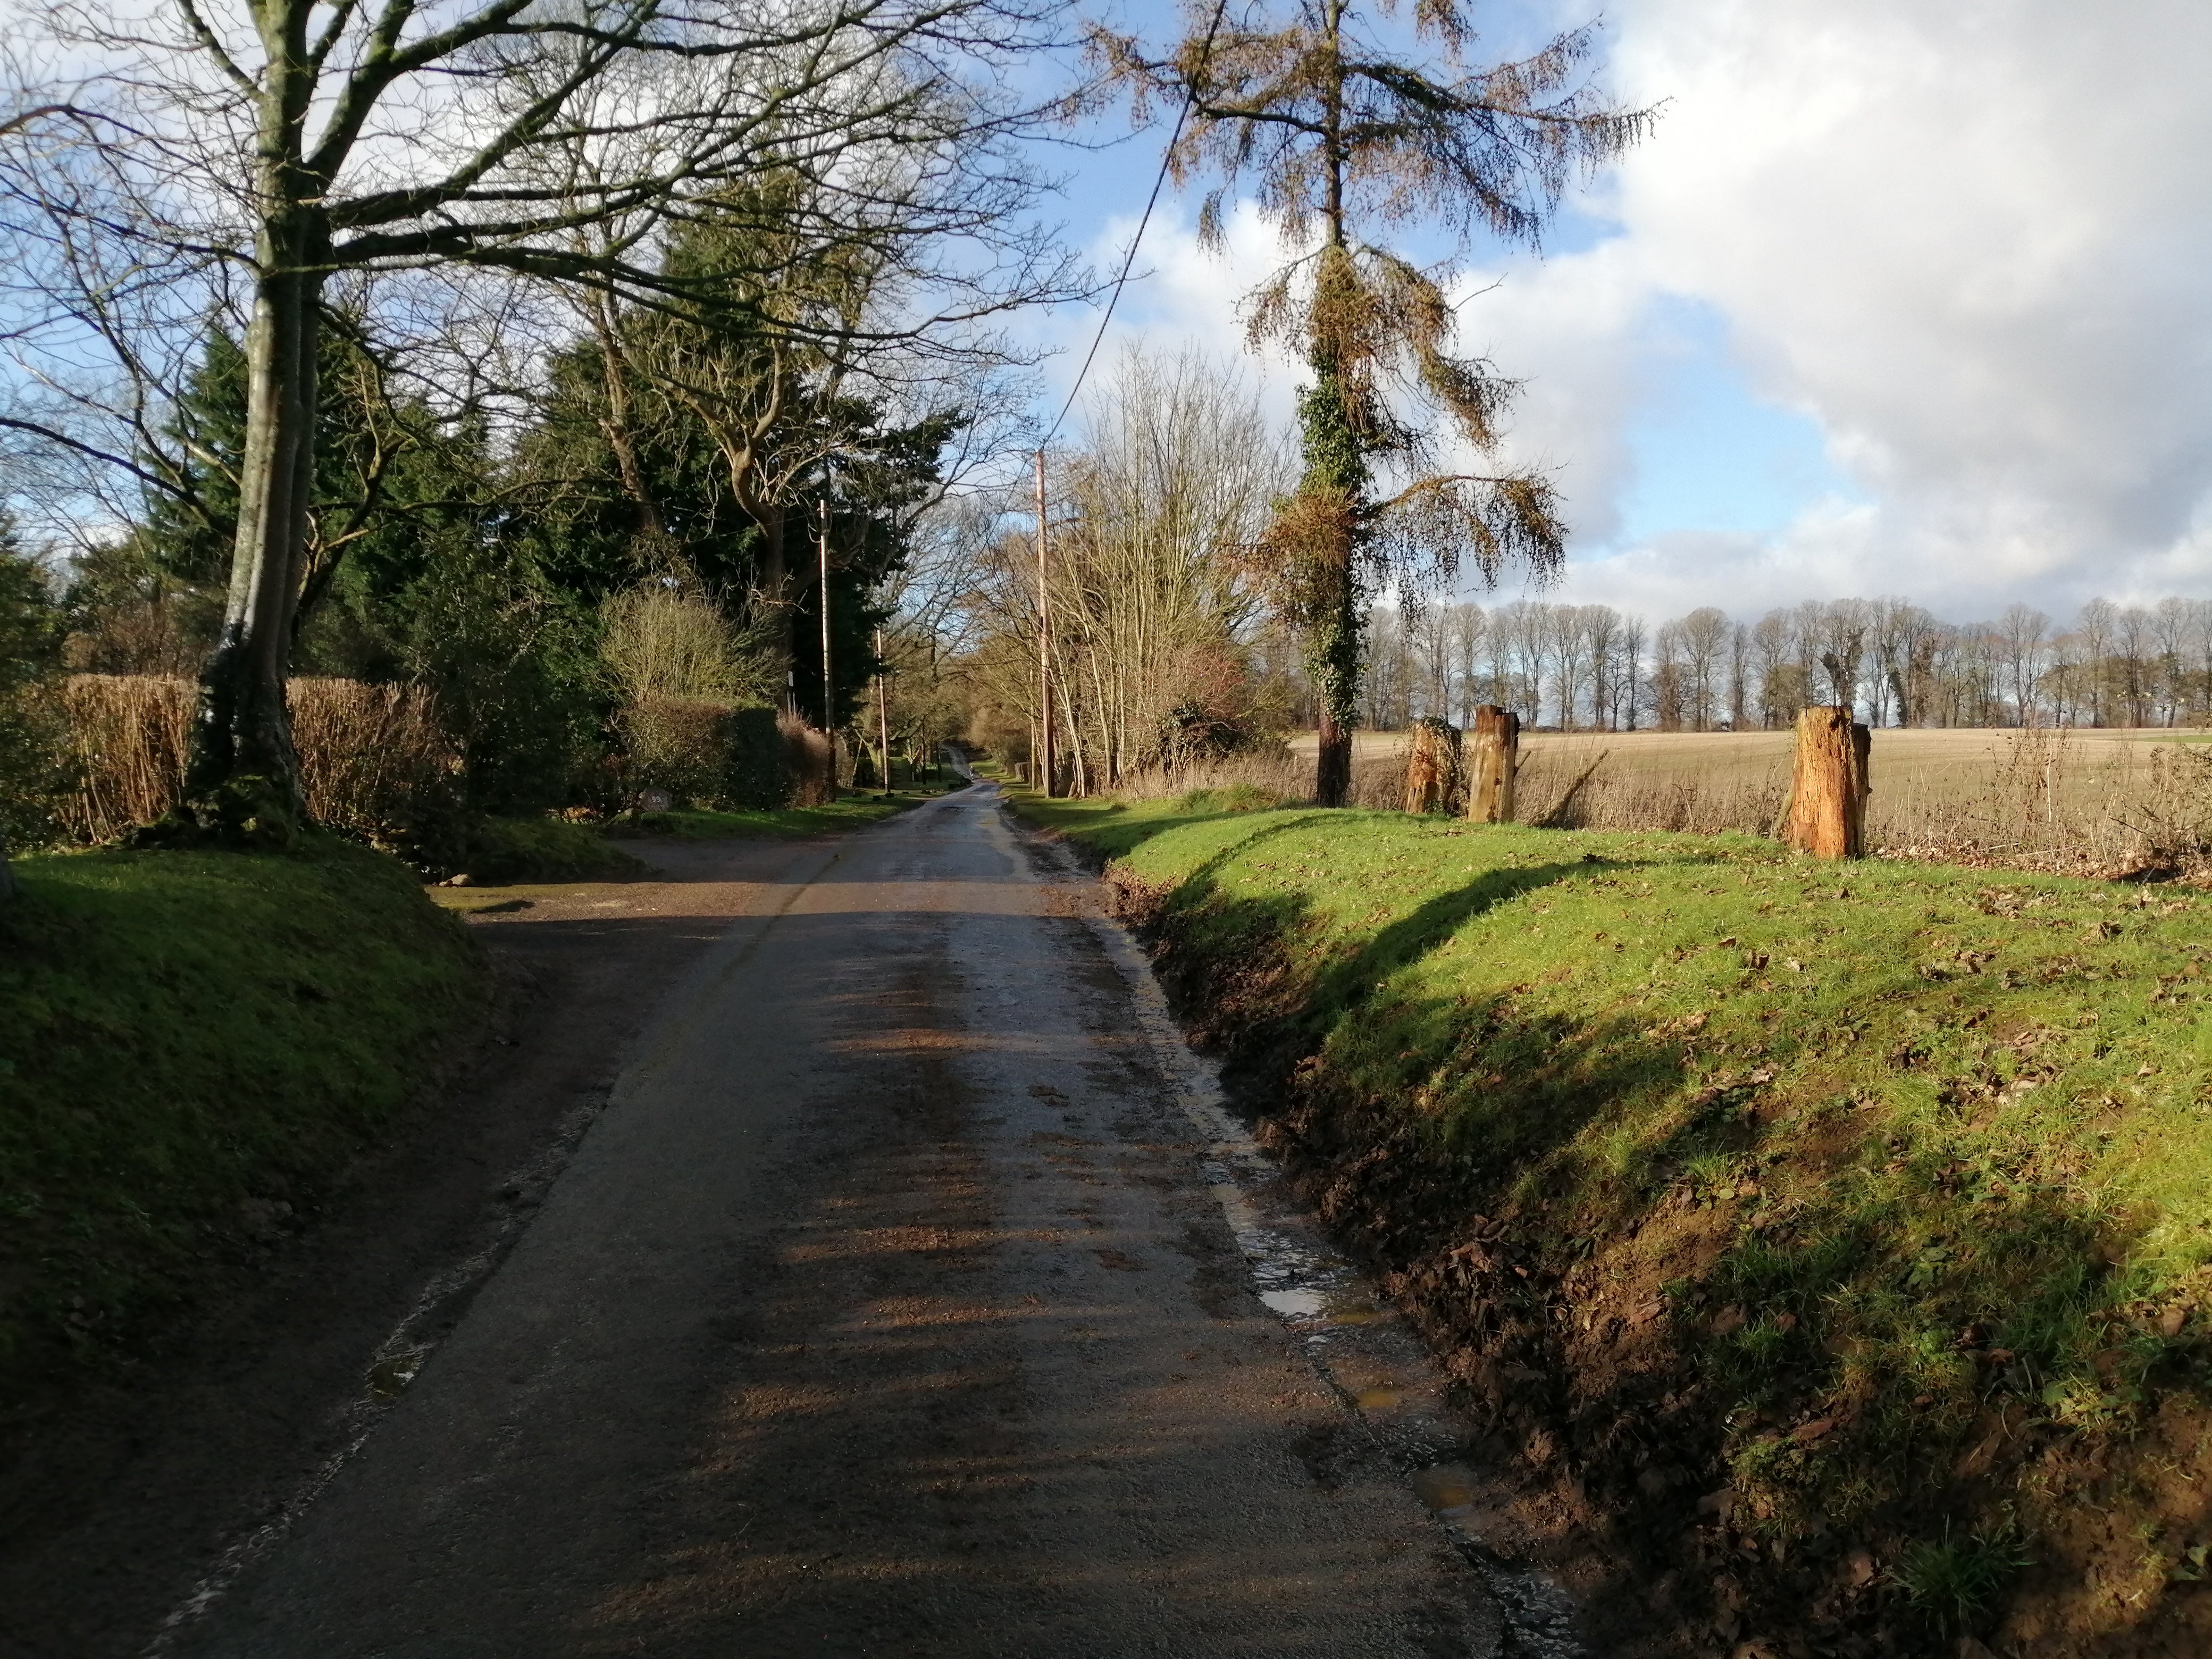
(191, 1045)
(848, 813)
(1842, 1234)
(504, 850)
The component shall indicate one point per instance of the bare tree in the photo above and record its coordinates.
(254, 152)
(1739, 677)
(1670, 679)
(2024, 634)
(1601, 627)
(1151, 611)
(1633, 636)
(1702, 637)
(2194, 660)
(1532, 639)
(1885, 618)
(1843, 649)
(2094, 628)
(1468, 628)
(1505, 687)
(2171, 621)
(2133, 636)
(1782, 688)
(1570, 650)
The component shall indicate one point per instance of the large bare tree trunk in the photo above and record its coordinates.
(615, 376)
(242, 780)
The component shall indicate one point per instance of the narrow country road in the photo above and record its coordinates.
(885, 1310)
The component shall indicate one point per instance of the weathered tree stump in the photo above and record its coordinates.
(1828, 788)
(1432, 766)
(1496, 741)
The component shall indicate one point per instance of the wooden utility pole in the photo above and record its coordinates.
(1048, 772)
(1496, 737)
(828, 686)
(882, 720)
(1828, 786)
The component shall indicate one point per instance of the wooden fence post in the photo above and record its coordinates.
(1828, 786)
(1433, 765)
(1497, 735)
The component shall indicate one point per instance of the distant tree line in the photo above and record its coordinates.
(1593, 667)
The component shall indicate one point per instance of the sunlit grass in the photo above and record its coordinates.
(1950, 1130)
(848, 811)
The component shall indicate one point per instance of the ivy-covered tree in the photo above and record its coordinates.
(1307, 109)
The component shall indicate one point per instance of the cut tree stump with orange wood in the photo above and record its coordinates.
(1828, 788)
(1495, 738)
(1432, 766)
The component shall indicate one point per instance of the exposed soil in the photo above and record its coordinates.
(1619, 1489)
(117, 1504)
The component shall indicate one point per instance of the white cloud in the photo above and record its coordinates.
(1182, 297)
(1969, 240)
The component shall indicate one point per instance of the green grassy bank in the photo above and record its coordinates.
(192, 1044)
(501, 850)
(1840, 1236)
(848, 811)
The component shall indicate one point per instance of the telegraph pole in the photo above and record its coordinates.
(1044, 645)
(828, 689)
(882, 718)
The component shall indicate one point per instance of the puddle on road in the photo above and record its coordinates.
(1360, 1346)
(1444, 1487)
(1354, 1310)
(392, 1374)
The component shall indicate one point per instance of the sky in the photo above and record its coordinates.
(1897, 299)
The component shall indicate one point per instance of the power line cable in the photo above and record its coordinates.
(1167, 159)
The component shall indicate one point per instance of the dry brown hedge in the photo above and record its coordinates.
(372, 757)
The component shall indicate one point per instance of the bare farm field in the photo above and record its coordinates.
(2107, 801)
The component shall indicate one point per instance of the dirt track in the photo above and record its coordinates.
(886, 1309)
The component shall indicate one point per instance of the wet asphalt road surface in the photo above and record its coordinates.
(885, 1310)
